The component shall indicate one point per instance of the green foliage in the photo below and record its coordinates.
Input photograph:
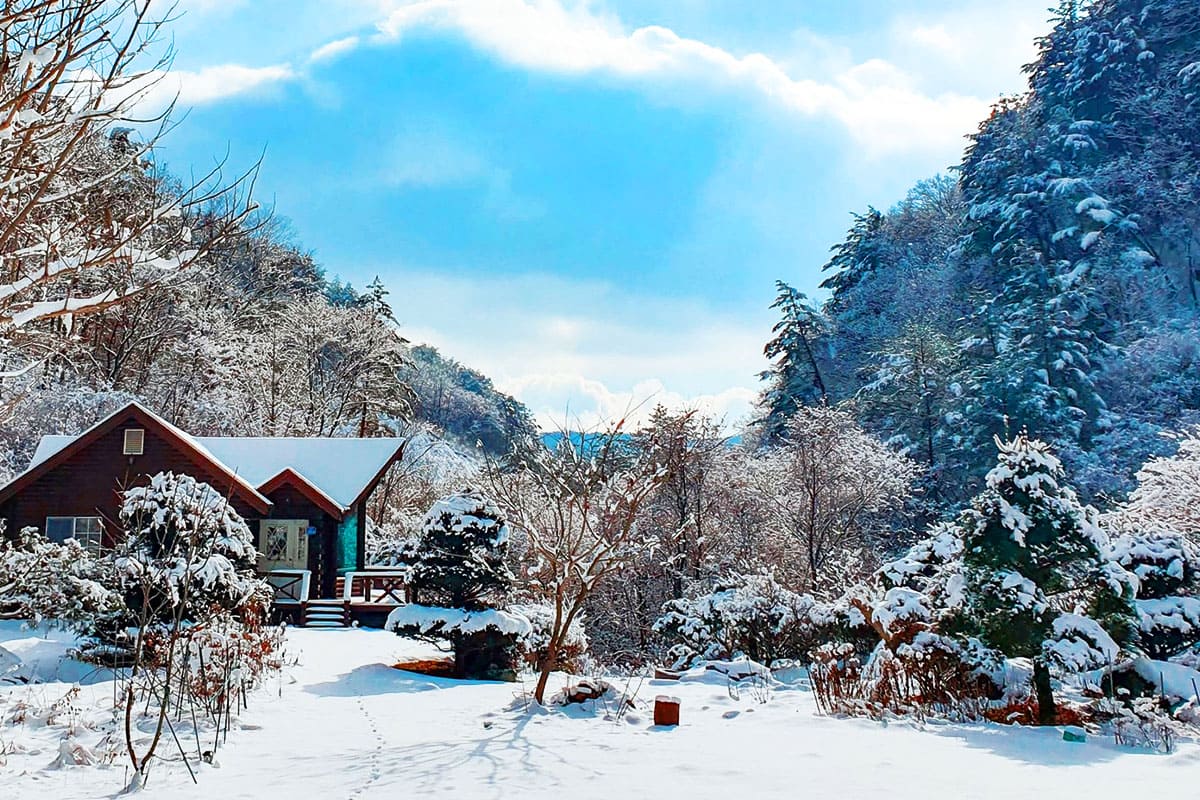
(1032, 552)
(462, 551)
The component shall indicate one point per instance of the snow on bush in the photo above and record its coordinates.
(438, 621)
(900, 609)
(43, 580)
(749, 615)
(1163, 561)
(461, 553)
(923, 565)
(1079, 644)
(186, 546)
(1168, 625)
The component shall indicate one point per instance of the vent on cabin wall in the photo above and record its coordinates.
(135, 441)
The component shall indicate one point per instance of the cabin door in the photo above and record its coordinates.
(282, 544)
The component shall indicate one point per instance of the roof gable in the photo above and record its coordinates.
(53, 451)
(342, 469)
(333, 472)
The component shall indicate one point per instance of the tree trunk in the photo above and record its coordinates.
(539, 692)
(1047, 711)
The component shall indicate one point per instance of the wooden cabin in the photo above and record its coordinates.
(304, 498)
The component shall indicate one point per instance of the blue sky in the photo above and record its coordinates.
(590, 202)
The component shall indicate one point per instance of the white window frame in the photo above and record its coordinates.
(90, 539)
(135, 442)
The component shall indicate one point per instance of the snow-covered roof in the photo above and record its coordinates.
(340, 468)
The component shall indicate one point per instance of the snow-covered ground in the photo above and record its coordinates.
(344, 724)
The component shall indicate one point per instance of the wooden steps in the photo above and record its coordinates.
(325, 613)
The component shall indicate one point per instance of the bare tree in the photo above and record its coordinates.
(74, 237)
(577, 508)
(823, 486)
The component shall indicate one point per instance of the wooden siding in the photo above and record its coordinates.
(322, 547)
(90, 481)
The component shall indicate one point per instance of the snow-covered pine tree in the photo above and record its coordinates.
(1037, 582)
(461, 578)
(461, 562)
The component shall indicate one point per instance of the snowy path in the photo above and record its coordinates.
(351, 727)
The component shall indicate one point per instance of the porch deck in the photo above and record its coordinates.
(365, 597)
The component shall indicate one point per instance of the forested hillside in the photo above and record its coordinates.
(254, 339)
(1049, 284)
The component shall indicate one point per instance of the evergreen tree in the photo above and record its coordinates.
(463, 544)
(799, 350)
(1038, 584)
(461, 578)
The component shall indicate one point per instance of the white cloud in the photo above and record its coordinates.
(331, 50)
(218, 82)
(977, 49)
(875, 102)
(206, 85)
(586, 349)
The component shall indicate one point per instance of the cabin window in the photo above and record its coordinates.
(85, 530)
(135, 440)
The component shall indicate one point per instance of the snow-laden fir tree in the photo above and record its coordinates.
(796, 378)
(462, 549)
(461, 579)
(1038, 584)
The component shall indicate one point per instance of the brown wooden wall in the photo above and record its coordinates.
(90, 481)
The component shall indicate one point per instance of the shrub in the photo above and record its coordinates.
(186, 551)
(43, 580)
(746, 615)
(461, 564)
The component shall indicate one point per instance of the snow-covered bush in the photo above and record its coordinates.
(1169, 626)
(1166, 564)
(746, 615)
(64, 583)
(932, 674)
(186, 550)
(226, 657)
(535, 644)
(461, 571)
(461, 552)
(1164, 561)
(387, 547)
(486, 642)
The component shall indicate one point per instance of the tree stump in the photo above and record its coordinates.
(666, 710)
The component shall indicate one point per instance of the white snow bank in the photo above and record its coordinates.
(9, 664)
(435, 619)
(1175, 680)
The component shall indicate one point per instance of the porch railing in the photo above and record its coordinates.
(291, 585)
(376, 587)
